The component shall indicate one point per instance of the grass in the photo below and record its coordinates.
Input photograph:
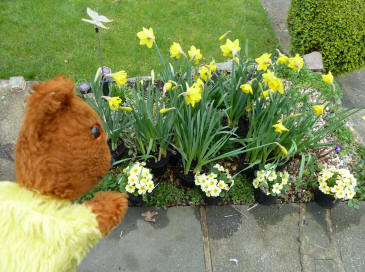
(41, 39)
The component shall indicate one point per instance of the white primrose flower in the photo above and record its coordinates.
(142, 190)
(130, 188)
(255, 183)
(340, 194)
(260, 173)
(221, 184)
(215, 191)
(350, 194)
(96, 19)
(271, 176)
(261, 178)
(150, 186)
(276, 188)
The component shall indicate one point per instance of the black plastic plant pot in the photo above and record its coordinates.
(264, 199)
(158, 168)
(213, 201)
(175, 157)
(117, 153)
(243, 127)
(135, 201)
(324, 200)
(187, 180)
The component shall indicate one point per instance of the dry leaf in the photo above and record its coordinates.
(148, 216)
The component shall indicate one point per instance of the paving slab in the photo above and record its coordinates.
(277, 10)
(12, 103)
(349, 234)
(173, 243)
(261, 239)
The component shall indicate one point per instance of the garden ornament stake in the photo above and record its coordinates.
(98, 20)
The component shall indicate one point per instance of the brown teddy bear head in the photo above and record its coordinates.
(61, 149)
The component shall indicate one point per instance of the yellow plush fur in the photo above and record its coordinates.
(59, 233)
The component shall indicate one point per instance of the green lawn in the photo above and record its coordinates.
(41, 38)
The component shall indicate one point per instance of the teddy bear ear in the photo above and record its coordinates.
(51, 96)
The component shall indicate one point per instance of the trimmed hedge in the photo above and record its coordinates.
(336, 28)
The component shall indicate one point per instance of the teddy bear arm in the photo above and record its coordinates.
(109, 208)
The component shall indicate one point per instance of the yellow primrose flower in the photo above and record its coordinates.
(296, 63)
(205, 73)
(231, 48)
(176, 50)
(279, 127)
(146, 37)
(282, 59)
(126, 108)
(120, 78)
(164, 110)
(328, 78)
(114, 103)
(224, 35)
(318, 109)
(246, 88)
(263, 62)
(195, 54)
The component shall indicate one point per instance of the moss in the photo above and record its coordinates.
(335, 28)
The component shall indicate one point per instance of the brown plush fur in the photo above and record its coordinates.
(56, 153)
(110, 208)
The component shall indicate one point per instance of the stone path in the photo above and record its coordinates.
(352, 84)
(295, 237)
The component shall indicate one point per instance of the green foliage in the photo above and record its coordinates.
(109, 183)
(345, 138)
(307, 79)
(164, 194)
(336, 28)
(242, 191)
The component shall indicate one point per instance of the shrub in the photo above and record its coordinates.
(335, 28)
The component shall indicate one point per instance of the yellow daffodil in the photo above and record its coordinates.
(126, 108)
(318, 109)
(146, 37)
(195, 54)
(328, 78)
(265, 94)
(363, 117)
(120, 78)
(199, 83)
(263, 62)
(274, 83)
(279, 127)
(193, 95)
(282, 59)
(296, 63)
(237, 60)
(176, 50)
(204, 73)
(246, 88)
(231, 48)
(212, 67)
(284, 150)
(224, 35)
(167, 86)
(114, 103)
(248, 108)
(164, 110)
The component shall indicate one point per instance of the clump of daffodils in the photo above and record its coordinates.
(270, 181)
(217, 183)
(339, 183)
(139, 179)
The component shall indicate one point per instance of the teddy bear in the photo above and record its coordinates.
(61, 154)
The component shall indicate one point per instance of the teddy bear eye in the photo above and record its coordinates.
(95, 131)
